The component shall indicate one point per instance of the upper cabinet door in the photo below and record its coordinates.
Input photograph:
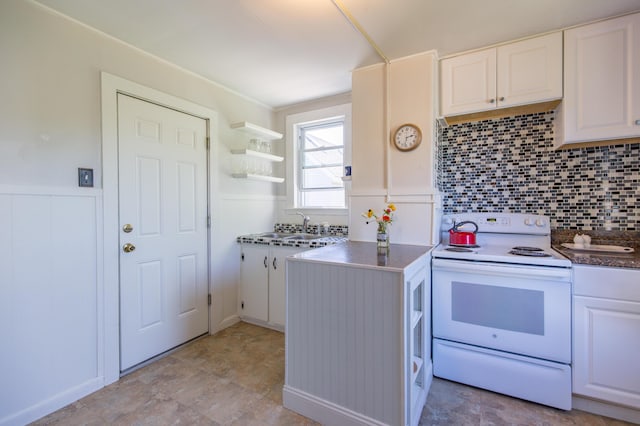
(520, 73)
(602, 80)
(468, 83)
(530, 71)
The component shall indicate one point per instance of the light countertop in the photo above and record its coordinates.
(365, 254)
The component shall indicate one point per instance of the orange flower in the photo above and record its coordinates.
(386, 217)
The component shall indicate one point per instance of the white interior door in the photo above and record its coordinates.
(162, 174)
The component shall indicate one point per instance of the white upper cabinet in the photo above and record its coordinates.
(601, 81)
(468, 83)
(520, 73)
(530, 71)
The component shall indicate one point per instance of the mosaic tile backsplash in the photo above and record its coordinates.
(509, 165)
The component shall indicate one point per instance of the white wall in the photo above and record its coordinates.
(50, 124)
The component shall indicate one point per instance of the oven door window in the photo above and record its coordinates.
(506, 308)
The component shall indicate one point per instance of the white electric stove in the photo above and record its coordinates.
(502, 308)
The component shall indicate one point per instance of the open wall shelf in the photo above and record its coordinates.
(257, 154)
(263, 178)
(256, 130)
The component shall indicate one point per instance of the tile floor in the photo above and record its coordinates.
(236, 378)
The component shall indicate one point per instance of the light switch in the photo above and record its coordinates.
(85, 177)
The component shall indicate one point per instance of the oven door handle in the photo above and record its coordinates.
(552, 273)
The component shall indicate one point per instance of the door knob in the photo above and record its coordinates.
(128, 248)
(127, 228)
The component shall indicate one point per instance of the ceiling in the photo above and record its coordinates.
(282, 52)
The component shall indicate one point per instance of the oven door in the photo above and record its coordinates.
(515, 308)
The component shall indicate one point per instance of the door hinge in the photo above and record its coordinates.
(242, 256)
(209, 299)
(242, 305)
(208, 221)
(208, 142)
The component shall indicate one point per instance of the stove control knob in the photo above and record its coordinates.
(528, 221)
(540, 223)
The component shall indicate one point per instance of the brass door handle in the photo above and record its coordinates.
(128, 248)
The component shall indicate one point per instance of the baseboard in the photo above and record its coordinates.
(263, 324)
(227, 322)
(53, 403)
(606, 409)
(322, 411)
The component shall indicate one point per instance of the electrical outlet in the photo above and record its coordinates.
(85, 177)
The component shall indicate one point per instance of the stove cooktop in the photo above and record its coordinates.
(503, 254)
(505, 238)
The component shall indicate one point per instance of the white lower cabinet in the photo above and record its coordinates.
(254, 282)
(278, 283)
(606, 310)
(262, 283)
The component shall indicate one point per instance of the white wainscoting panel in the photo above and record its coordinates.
(416, 219)
(50, 300)
(356, 346)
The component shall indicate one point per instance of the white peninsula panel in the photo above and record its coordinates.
(358, 334)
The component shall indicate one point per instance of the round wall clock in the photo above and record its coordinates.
(407, 137)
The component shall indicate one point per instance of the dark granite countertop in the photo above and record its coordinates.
(365, 254)
(600, 237)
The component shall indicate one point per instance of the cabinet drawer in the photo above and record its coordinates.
(612, 283)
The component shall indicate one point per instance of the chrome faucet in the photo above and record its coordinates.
(305, 222)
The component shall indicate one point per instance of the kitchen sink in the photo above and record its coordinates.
(304, 237)
(276, 234)
(289, 236)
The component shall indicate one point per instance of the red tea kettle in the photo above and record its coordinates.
(457, 237)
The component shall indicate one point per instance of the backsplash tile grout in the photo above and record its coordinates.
(510, 165)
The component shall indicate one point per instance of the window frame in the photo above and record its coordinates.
(303, 188)
(294, 122)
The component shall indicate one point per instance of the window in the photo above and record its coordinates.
(318, 144)
(321, 154)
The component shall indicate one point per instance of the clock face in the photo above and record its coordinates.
(407, 137)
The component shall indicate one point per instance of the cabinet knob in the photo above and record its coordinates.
(265, 262)
(501, 98)
(275, 263)
(491, 101)
(637, 122)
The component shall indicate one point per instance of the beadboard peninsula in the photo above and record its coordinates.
(358, 333)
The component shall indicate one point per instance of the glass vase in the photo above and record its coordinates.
(382, 237)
